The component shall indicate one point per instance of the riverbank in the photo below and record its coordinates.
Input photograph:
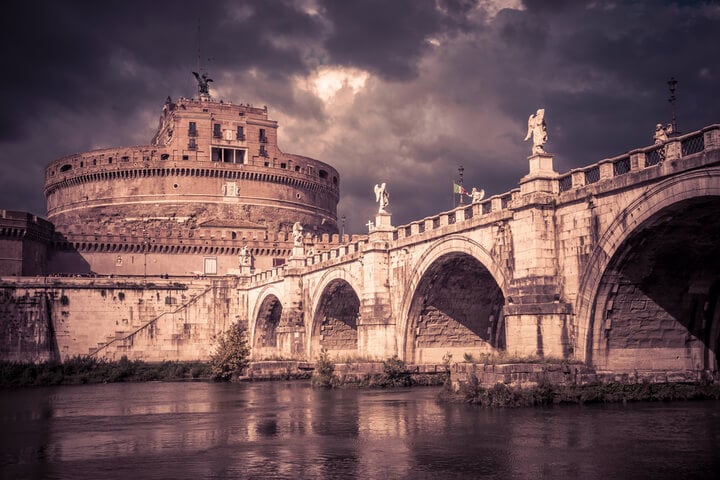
(528, 384)
(87, 370)
(327, 374)
(507, 396)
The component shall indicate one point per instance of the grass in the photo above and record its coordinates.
(84, 370)
(502, 395)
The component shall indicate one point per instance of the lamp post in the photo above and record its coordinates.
(460, 182)
(145, 248)
(672, 85)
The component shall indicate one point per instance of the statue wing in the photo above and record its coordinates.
(197, 76)
(377, 192)
(530, 125)
(482, 194)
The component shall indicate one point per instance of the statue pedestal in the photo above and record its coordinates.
(245, 270)
(383, 222)
(542, 176)
(298, 251)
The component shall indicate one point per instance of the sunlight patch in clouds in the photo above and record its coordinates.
(326, 82)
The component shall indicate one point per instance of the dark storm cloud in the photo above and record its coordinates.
(389, 37)
(450, 82)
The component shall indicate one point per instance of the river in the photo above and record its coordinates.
(288, 430)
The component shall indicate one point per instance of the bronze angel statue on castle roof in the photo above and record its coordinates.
(203, 81)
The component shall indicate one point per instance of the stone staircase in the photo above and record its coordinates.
(122, 340)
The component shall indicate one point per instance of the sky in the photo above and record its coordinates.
(395, 91)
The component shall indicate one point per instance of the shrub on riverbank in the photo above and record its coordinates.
(232, 354)
(394, 374)
(81, 370)
(324, 374)
(502, 395)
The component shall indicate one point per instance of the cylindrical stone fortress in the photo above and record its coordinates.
(212, 181)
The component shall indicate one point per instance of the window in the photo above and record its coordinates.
(185, 157)
(263, 137)
(192, 129)
(263, 152)
(278, 261)
(164, 156)
(210, 267)
(192, 145)
(227, 155)
(125, 159)
(65, 167)
(283, 165)
(216, 130)
(109, 159)
(323, 174)
(240, 133)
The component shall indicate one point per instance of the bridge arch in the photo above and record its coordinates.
(453, 303)
(648, 297)
(335, 315)
(266, 318)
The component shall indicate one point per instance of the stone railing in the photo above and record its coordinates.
(676, 147)
(458, 215)
(348, 249)
(641, 158)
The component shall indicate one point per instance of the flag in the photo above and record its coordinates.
(459, 189)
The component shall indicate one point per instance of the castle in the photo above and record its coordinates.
(212, 190)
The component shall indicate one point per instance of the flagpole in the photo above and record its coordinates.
(460, 172)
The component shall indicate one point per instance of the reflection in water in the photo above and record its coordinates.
(289, 430)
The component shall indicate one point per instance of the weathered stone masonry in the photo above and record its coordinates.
(616, 264)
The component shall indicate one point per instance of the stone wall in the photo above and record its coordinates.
(153, 321)
(528, 375)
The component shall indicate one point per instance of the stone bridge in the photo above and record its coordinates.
(616, 265)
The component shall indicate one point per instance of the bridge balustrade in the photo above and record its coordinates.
(621, 166)
(592, 175)
(693, 144)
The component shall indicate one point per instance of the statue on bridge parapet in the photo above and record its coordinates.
(382, 197)
(245, 258)
(662, 133)
(537, 128)
(297, 232)
(477, 195)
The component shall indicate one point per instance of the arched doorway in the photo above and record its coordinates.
(456, 309)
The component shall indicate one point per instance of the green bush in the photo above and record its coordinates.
(324, 374)
(231, 355)
(395, 373)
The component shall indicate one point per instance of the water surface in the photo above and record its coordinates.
(288, 430)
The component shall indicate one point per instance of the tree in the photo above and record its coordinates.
(231, 353)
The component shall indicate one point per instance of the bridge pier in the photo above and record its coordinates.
(376, 327)
(290, 332)
(540, 330)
